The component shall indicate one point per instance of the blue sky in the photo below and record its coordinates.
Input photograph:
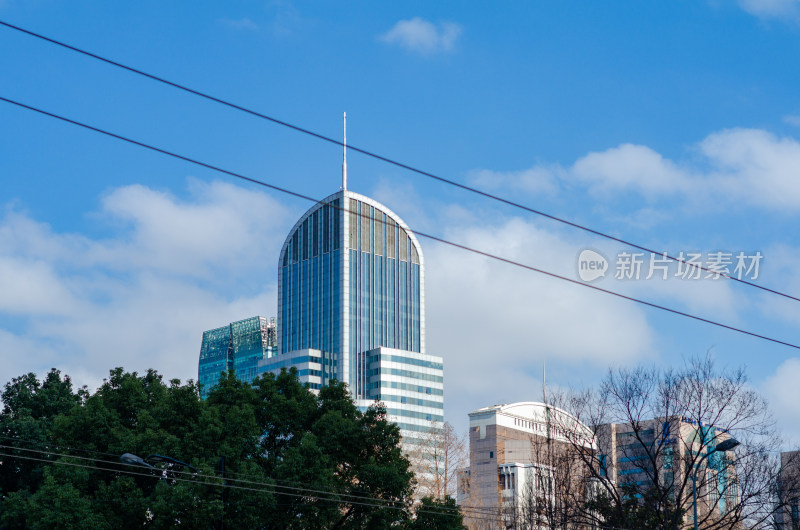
(675, 125)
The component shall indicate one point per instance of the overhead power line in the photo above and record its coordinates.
(418, 233)
(473, 512)
(265, 487)
(229, 477)
(393, 162)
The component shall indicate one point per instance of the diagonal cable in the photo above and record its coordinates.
(393, 162)
(421, 234)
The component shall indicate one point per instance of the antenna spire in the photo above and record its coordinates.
(544, 383)
(344, 154)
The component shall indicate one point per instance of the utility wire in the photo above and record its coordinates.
(225, 483)
(278, 488)
(228, 477)
(494, 516)
(421, 234)
(393, 162)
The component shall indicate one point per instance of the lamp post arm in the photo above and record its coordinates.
(169, 460)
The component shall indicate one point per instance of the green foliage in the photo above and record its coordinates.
(434, 514)
(29, 409)
(292, 459)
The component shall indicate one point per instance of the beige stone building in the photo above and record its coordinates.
(532, 466)
(521, 474)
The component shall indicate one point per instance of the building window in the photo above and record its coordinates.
(491, 454)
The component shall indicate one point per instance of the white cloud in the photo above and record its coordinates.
(781, 9)
(782, 390)
(780, 268)
(33, 287)
(16, 353)
(494, 322)
(538, 180)
(142, 297)
(286, 19)
(215, 230)
(734, 166)
(420, 36)
(630, 167)
(754, 166)
(244, 24)
(792, 119)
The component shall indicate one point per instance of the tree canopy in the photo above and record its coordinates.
(291, 458)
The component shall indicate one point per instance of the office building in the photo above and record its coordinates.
(239, 346)
(351, 307)
(520, 461)
(659, 450)
(351, 300)
(787, 515)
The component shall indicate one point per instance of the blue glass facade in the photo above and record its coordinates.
(239, 346)
(351, 306)
(350, 280)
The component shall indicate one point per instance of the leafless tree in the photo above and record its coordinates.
(556, 486)
(478, 516)
(437, 457)
(656, 430)
(787, 513)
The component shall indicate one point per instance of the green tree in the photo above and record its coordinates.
(293, 459)
(29, 409)
(435, 514)
(324, 443)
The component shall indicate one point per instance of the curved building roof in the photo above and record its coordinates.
(532, 417)
(347, 194)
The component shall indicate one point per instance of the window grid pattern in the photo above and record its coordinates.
(350, 284)
(375, 295)
(239, 346)
(310, 310)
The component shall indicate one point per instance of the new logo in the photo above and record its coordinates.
(591, 265)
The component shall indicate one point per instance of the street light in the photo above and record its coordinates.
(726, 445)
(130, 458)
(171, 461)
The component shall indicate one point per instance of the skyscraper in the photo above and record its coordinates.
(351, 307)
(239, 346)
(351, 300)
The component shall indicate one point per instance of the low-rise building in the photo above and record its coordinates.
(521, 472)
